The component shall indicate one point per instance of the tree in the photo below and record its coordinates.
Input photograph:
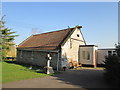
(112, 68)
(7, 37)
(118, 49)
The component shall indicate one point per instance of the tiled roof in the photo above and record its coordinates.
(46, 41)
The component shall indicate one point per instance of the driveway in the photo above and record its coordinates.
(84, 78)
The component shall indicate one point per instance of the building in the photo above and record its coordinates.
(67, 47)
(88, 55)
(12, 51)
(63, 46)
(102, 53)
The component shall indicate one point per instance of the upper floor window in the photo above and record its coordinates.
(78, 35)
(70, 43)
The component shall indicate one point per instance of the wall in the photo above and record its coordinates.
(71, 48)
(92, 50)
(12, 51)
(36, 58)
(95, 48)
(101, 55)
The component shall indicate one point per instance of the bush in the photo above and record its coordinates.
(112, 70)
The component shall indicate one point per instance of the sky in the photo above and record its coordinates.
(98, 19)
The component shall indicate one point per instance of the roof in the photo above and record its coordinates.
(88, 46)
(107, 49)
(46, 41)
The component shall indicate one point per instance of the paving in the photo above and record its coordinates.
(83, 78)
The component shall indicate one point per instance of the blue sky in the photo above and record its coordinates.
(99, 19)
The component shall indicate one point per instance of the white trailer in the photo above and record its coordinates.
(102, 53)
(88, 55)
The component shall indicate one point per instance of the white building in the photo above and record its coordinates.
(67, 47)
(62, 45)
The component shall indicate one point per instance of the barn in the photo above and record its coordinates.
(67, 47)
(62, 45)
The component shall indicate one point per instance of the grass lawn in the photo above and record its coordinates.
(97, 68)
(0, 72)
(13, 72)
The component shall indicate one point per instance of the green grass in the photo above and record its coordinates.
(97, 68)
(14, 72)
(0, 72)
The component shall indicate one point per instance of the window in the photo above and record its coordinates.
(83, 54)
(114, 53)
(109, 52)
(86, 55)
(78, 35)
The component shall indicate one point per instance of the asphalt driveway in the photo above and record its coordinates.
(84, 78)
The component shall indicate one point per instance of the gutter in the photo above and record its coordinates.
(56, 51)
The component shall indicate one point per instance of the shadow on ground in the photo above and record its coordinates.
(84, 78)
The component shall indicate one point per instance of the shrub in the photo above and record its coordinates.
(112, 70)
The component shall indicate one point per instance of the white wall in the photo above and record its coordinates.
(71, 48)
(95, 54)
(91, 50)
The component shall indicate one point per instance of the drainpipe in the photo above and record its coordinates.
(58, 62)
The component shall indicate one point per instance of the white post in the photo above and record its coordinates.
(48, 63)
(48, 66)
(49, 69)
